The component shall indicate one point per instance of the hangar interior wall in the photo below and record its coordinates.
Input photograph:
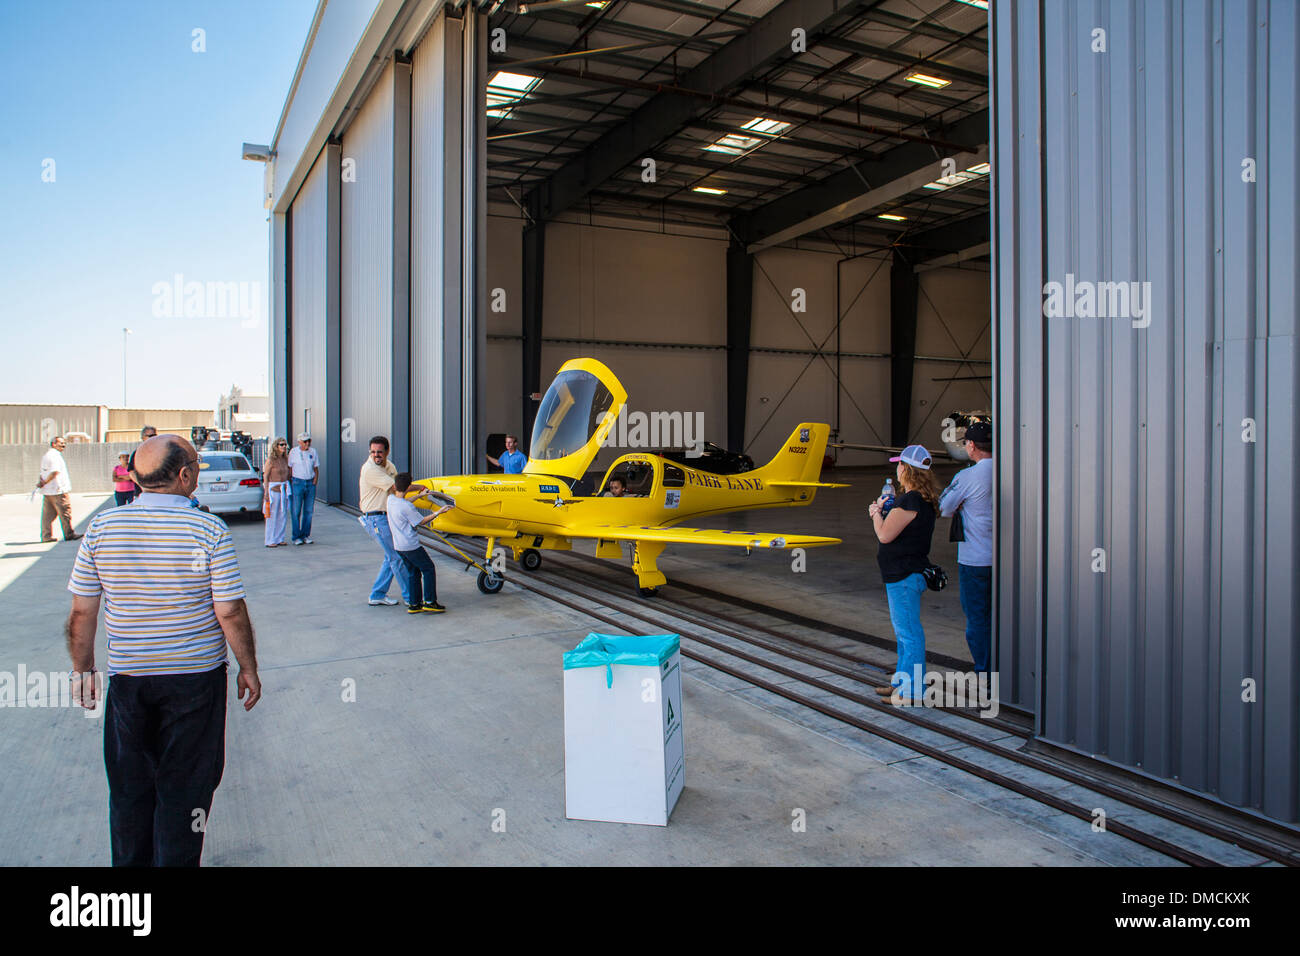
(1147, 482)
(631, 285)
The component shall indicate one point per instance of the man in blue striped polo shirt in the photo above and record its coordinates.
(173, 598)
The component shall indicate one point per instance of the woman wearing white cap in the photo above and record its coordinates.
(904, 534)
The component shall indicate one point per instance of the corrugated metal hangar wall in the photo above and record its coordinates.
(1147, 501)
(368, 344)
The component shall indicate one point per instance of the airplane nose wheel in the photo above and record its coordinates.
(531, 559)
(490, 583)
(647, 592)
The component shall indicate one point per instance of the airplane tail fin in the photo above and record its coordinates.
(799, 460)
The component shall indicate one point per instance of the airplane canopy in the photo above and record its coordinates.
(575, 415)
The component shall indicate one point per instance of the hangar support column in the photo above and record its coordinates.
(448, 226)
(902, 347)
(400, 383)
(740, 302)
(333, 342)
(534, 264)
(280, 400)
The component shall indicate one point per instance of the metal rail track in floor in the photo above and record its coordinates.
(693, 615)
(1117, 827)
(1225, 823)
(1246, 842)
(790, 617)
(914, 716)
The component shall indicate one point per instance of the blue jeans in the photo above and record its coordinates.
(977, 605)
(303, 491)
(393, 565)
(424, 576)
(905, 614)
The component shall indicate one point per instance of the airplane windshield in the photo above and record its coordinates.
(571, 411)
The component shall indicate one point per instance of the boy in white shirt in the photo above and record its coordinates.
(403, 521)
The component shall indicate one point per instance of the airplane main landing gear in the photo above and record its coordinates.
(490, 582)
(531, 559)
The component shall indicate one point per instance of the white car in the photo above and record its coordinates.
(228, 484)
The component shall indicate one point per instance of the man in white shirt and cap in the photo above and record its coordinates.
(304, 465)
(971, 493)
(56, 487)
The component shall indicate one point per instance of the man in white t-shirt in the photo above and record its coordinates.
(304, 465)
(56, 487)
(404, 519)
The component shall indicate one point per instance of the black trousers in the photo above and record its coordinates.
(164, 752)
(421, 566)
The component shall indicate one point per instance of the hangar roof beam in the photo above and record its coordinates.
(666, 112)
(815, 207)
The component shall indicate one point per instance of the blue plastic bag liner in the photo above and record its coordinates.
(604, 650)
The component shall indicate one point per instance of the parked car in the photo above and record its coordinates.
(228, 484)
(714, 459)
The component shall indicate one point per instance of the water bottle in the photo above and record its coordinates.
(887, 493)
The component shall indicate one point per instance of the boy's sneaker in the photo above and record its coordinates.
(386, 601)
(433, 607)
(297, 541)
(306, 540)
(413, 609)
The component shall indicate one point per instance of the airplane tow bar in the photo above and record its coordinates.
(489, 581)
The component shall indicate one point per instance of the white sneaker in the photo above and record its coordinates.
(387, 600)
(305, 541)
(297, 541)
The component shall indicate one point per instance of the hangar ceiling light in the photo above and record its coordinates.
(737, 145)
(956, 179)
(766, 126)
(504, 90)
(734, 144)
(891, 217)
(926, 79)
(710, 190)
(982, 4)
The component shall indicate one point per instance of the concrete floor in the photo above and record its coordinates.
(458, 721)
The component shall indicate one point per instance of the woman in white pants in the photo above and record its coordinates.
(275, 485)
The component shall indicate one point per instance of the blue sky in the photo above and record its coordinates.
(148, 183)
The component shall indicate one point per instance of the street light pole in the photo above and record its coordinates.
(125, 333)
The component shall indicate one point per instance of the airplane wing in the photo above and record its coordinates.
(680, 535)
(884, 449)
(805, 484)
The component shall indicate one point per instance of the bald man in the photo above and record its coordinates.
(173, 599)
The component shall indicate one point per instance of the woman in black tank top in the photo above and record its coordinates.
(904, 534)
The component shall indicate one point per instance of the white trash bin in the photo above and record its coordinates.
(624, 759)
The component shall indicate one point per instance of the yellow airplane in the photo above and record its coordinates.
(539, 511)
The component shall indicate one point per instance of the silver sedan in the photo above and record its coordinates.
(228, 484)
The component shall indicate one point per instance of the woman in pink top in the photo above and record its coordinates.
(123, 486)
